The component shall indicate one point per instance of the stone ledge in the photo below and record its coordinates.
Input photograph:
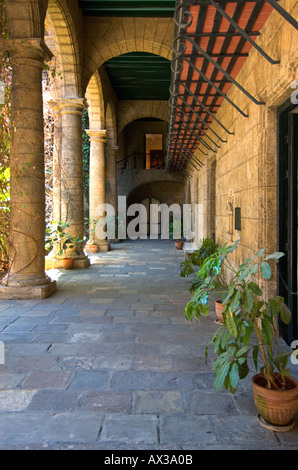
(28, 292)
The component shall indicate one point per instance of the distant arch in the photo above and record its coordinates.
(65, 30)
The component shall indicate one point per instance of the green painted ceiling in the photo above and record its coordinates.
(139, 76)
(153, 8)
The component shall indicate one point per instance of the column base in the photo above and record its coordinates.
(28, 292)
(106, 247)
(101, 246)
(54, 263)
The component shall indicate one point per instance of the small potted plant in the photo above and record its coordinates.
(176, 232)
(91, 229)
(191, 266)
(58, 238)
(248, 337)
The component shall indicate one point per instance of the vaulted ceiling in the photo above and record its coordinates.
(140, 76)
(212, 41)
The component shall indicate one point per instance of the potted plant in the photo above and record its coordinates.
(57, 237)
(191, 266)
(91, 228)
(248, 337)
(176, 231)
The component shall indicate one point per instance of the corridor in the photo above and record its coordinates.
(109, 362)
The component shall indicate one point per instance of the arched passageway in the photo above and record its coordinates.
(230, 73)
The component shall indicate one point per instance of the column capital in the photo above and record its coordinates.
(27, 48)
(68, 105)
(97, 135)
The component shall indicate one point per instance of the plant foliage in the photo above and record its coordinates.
(249, 328)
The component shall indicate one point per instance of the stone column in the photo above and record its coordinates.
(26, 277)
(56, 214)
(97, 180)
(70, 174)
(111, 174)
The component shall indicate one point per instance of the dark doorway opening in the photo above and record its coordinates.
(287, 212)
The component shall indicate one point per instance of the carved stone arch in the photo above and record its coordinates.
(109, 37)
(26, 18)
(95, 99)
(63, 19)
(130, 111)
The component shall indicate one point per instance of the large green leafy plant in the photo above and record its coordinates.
(197, 257)
(248, 337)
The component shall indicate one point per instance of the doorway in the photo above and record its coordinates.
(154, 151)
(152, 225)
(287, 213)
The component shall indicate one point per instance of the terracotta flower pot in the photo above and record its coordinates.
(277, 407)
(179, 244)
(93, 248)
(218, 310)
(68, 263)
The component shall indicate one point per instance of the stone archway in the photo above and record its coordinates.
(95, 100)
(62, 19)
(109, 37)
(129, 111)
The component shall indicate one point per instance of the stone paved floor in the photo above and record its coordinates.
(109, 362)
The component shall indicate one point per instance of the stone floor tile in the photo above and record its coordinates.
(90, 380)
(15, 400)
(48, 379)
(158, 402)
(186, 429)
(130, 429)
(107, 402)
(54, 400)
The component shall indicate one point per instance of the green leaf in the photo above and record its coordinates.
(274, 306)
(266, 270)
(276, 255)
(221, 376)
(234, 304)
(242, 351)
(247, 335)
(285, 313)
(231, 324)
(261, 252)
(255, 356)
(234, 376)
(188, 311)
(243, 369)
(267, 329)
(248, 299)
(255, 289)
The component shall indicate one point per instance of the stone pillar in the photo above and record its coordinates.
(111, 174)
(56, 214)
(26, 277)
(97, 180)
(69, 175)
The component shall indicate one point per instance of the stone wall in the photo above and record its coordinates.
(246, 165)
